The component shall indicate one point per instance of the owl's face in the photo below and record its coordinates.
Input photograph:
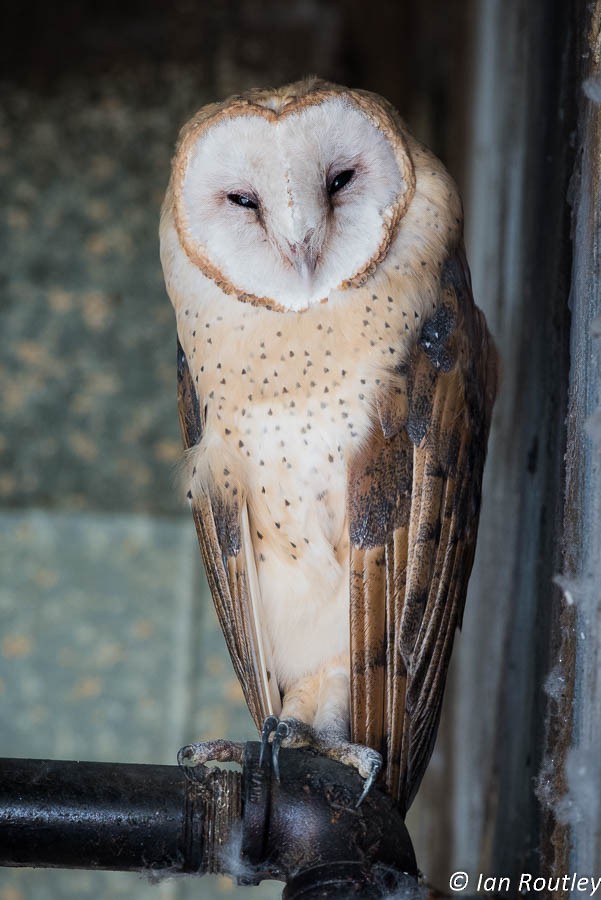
(288, 205)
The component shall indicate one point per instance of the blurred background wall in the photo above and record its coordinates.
(109, 647)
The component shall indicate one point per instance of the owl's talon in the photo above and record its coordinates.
(269, 726)
(183, 755)
(369, 781)
(281, 732)
(193, 771)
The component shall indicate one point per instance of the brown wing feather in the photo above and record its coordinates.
(414, 498)
(219, 535)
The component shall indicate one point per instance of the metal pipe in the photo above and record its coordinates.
(97, 816)
(304, 830)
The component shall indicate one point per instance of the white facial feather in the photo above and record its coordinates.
(301, 242)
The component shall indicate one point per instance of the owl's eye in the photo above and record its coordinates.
(243, 200)
(339, 181)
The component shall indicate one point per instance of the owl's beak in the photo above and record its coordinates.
(305, 263)
(303, 255)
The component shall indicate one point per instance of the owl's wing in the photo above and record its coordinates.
(223, 535)
(413, 501)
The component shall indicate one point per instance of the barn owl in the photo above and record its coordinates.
(336, 383)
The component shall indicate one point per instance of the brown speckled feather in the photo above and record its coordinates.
(414, 498)
(219, 533)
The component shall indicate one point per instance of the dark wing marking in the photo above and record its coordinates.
(414, 499)
(221, 528)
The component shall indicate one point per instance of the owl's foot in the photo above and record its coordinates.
(191, 757)
(293, 733)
